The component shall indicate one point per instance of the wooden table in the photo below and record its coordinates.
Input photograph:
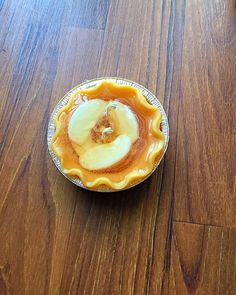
(176, 232)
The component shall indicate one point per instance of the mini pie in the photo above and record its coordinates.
(108, 135)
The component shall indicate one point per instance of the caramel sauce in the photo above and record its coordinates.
(136, 158)
(97, 131)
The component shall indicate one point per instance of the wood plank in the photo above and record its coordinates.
(10, 41)
(87, 14)
(26, 208)
(203, 260)
(205, 180)
(161, 245)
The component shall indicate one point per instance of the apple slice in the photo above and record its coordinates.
(124, 119)
(84, 119)
(105, 155)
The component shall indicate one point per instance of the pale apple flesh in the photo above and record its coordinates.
(115, 139)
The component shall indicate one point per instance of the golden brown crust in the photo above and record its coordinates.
(112, 90)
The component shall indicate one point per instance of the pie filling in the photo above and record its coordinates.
(108, 135)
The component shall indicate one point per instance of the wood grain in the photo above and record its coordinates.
(58, 239)
(205, 186)
(195, 248)
(86, 14)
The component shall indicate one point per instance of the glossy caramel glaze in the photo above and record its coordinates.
(137, 161)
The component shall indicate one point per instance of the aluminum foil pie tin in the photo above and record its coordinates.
(152, 99)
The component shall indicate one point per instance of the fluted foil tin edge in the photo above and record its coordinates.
(87, 84)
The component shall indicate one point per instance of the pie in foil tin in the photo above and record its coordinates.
(151, 98)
